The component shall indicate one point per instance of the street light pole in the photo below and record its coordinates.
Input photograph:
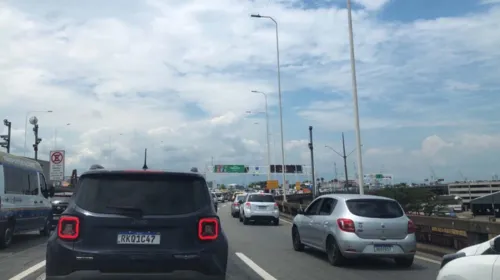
(355, 100)
(267, 136)
(344, 156)
(26, 126)
(285, 185)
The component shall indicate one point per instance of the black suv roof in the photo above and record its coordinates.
(121, 171)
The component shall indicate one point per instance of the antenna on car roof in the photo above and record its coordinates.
(145, 166)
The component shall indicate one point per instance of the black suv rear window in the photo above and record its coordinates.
(260, 198)
(375, 208)
(152, 194)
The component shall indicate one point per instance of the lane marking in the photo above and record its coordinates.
(261, 272)
(416, 256)
(41, 277)
(288, 222)
(427, 259)
(29, 271)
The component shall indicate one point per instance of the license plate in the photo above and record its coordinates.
(382, 248)
(140, 238)
(262, 207)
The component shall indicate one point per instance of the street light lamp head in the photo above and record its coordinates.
(254, 91)
(6, 122)
(49, 111)
(256, 16)
(34, 120)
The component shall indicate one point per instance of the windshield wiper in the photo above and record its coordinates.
(128, 210)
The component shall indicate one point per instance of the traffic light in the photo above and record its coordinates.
(247, 169)
(6, 138)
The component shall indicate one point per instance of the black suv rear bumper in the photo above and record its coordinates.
(188, 275)
(209, 261)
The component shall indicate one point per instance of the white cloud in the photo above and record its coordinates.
(176, 77)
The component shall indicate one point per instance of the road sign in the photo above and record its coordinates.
(56, 169)
(288, 168)
(272, 184)
(232, 168)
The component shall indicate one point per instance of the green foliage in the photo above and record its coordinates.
(222, 187)
(412, 199)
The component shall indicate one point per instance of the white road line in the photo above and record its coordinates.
(261, 272)
(416, 256)
(288, 222)
(427, 259)
(41, 277)
(28, 271)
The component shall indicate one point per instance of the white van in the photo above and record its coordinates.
(24, 198)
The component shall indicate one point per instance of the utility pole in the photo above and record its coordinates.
(345, 162)
(34, 122)
(145, 166)
(315, 191)
(344, 156)
(335, 169)
(37, 141)
(6, 138)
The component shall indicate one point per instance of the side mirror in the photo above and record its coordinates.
(240, 202)
(495, 244)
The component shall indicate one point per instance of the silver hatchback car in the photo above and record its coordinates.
(350, 226)
(259, 207)
(235, 207)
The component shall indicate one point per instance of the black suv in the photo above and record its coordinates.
(133, 224)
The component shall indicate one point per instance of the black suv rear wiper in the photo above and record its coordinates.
(127, 210)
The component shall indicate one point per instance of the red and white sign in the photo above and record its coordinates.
(56, 171)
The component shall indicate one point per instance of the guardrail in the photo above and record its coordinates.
(305, 198)
(446, 232)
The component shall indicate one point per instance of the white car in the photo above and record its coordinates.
(481, 261)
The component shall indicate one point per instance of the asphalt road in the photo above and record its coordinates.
(256, 252)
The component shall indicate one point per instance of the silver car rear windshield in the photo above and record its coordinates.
(260, 198)
(375, 208)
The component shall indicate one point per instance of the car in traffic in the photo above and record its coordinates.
(473, 264)
(25, 198)
(235, 206)
(233, 197)
(351, 226)
(259, 207)
(216, 201)
(60, 202)
(138, 224)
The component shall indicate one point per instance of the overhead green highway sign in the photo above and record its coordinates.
(230, 168)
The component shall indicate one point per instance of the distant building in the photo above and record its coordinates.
(486, 205)
(469, 191)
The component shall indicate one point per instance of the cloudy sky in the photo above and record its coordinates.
(176, 77)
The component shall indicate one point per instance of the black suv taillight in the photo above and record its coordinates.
(208, 228)
(68, 227)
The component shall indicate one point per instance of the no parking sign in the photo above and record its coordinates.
(56, 169)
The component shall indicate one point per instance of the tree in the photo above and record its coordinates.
(222, 187)
(412, 199)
